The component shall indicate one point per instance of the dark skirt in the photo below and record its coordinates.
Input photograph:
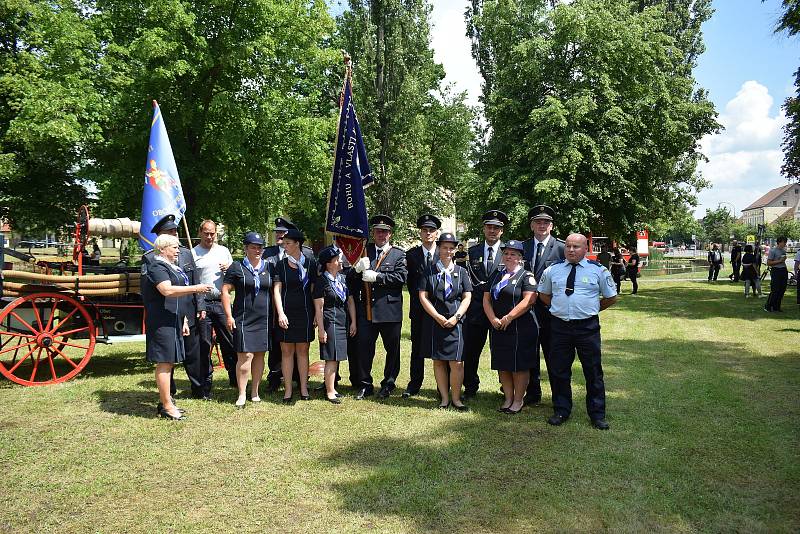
(335, 349)
(164, 344)
(514, 349)
(441, 343)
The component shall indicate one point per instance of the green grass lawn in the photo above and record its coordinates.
(703, 401)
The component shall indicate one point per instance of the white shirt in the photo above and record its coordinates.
(207, 261)
(544, 243)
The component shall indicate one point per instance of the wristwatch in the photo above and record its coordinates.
(458, 316)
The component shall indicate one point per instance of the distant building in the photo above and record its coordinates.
(779, 203)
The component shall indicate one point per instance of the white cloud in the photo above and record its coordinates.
(745, 158)
(452, 48)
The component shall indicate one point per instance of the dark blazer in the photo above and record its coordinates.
(553, 252)
(415, 260)
(191, 304)
(387, 290)
(271, 253)
(476, 266)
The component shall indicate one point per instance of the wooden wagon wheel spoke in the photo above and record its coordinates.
(64, 321)
(52, 366)
(65, 344)
(36, 314)
(14, 334)
(22, 360)
(61, 334)
(52, 315)
(73, 364)
(17, 347)
(24, 322)
(36, 364)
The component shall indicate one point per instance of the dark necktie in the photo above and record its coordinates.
(539, 250)
(489, 259)
(428, 259)
(571, 280)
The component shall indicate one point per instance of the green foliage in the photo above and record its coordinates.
(592, 109)
(247, 96)
(679, 227)
(417, 132)
(718, 225)
(50, 111)
(790, 23)
(784, 227)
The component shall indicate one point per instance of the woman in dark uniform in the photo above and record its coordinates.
(251, 281)
(164, 321)
(514, 335)
(617, 267)
(333, 307)
(632, 271)
(295, 276)
(445, 293)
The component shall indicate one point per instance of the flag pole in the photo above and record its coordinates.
(186, 228)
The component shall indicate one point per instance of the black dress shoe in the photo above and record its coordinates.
(364, 392)
(305, 397)
(532, 401)
(443, 406)
(600, 424)
(335, 400)
(509, 411)
(557, 420)
(160, 407)
(407, 393)
(461, 408)
(384, 393)
(164, 414)
(502, 410)
(339, 395)
(287, 400)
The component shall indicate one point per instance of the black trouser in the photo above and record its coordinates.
(617, 276)
(568, 337)
(216, 318)
(368, 336)
(353, 360)
(737, 267)
(713, 271)
(198, 369)
(417, 362)
(475, 334)
(777, 287)
(633, 277)
(544, 318)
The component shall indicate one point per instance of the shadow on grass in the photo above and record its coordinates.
(128, 402)
(488, 471)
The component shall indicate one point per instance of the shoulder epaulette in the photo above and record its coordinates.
(560, 240)
(557, 262)
(595, 262)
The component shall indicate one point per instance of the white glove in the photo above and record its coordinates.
(362, 265)
(369, 275)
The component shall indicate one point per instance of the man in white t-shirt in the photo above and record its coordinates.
(797, 273)
(212, 260)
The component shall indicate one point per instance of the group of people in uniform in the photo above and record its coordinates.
(532, 297)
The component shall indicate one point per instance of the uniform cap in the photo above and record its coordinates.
(282, 225)
(447, 237)
(164, 224)
(295, 234)
(541, 211)
(496, 217)
(327, 254)
(253, 238)
(383, 222)
(429, 221)
(513, 244)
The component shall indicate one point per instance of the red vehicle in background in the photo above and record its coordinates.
(596, 244)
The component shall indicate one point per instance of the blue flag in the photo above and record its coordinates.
(163, 194)
(347, 209)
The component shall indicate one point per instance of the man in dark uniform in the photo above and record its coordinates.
(484, 260)
(198, 368)
(541, 251)
(384, 274)
(273, 254)
(736, 261)
(419, 260)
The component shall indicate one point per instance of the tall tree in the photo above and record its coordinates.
(246, 91)
(592, 108)
(417, 132)
(50, 111)
(790, 23)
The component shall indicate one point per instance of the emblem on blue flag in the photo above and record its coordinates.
(347, 209)
(163, 194)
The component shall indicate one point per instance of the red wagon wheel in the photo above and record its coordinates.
(45, 338)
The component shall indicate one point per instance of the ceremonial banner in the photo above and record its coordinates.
(163, 194)
(347, 210)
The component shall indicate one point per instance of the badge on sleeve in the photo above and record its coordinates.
(531, 280)
(609, 281)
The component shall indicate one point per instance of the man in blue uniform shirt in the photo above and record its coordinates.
(577, 290)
